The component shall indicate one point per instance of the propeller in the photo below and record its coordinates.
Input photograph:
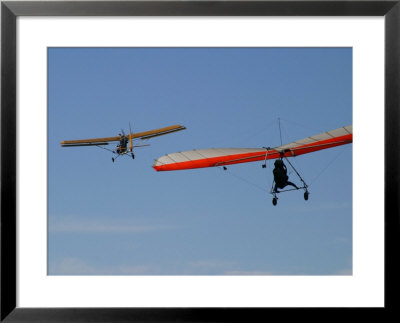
(130, 141)
(130, 138)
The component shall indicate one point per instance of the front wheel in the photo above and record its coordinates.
(306, 195)
(274, 201)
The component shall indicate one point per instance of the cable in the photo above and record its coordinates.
(330, 163)
(301, 126)
(258, 132)
(105, 148)
(244, 180)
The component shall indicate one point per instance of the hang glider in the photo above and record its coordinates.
(215, 157)
(126, 144)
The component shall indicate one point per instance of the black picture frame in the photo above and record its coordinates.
(10, 10)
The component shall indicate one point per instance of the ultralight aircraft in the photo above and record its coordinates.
(215, 157)
(122, 148)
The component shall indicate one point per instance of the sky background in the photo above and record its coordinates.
(124, 218)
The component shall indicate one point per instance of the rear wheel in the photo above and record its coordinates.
(274, 201)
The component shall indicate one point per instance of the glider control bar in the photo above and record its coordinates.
(311, 148)
(272, 154)
(239, 159)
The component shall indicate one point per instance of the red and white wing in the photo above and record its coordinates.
(201, 158)
(328, 139)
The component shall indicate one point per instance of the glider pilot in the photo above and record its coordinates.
(280, 176)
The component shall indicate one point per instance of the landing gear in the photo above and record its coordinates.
(305, 187)
(275, 198)
(113, 159)
(133, 156)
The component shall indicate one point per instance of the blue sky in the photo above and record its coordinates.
(124, 218)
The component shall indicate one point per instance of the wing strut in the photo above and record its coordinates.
(304, 183)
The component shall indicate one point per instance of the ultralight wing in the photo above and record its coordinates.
(139, 135)
(226, 156)
(157, 132)
(89, 142)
